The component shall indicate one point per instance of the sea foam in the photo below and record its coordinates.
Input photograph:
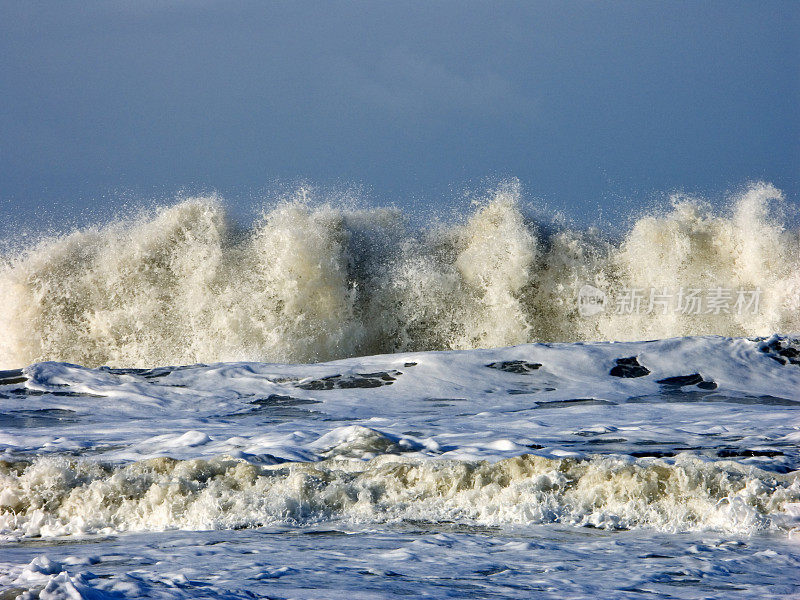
(59, 496)
(311, 282)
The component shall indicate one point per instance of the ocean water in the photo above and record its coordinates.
(336, 403)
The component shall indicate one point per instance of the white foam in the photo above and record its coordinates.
(313, 282)
(56, 496)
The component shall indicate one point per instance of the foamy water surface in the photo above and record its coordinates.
(469, 433)
(502, 462)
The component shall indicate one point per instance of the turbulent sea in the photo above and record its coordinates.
(335, 403)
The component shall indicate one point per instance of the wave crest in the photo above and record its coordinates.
(55, 496)
(311, 282)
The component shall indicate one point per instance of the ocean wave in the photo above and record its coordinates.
(313, 282)
(58, 496)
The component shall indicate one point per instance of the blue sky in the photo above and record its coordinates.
(594, 106)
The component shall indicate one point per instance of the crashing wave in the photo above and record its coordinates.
(58, 496)
(311, 282)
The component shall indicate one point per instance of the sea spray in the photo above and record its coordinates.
(310, 281)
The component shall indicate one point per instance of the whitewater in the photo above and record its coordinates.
(341, 402)
(313, 281)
